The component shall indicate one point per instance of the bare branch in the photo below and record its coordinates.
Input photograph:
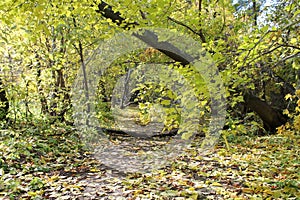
(189, 28)
(287, 58)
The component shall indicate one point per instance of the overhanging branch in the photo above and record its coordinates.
(149, 37)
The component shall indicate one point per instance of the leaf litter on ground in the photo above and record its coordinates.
(39, 165)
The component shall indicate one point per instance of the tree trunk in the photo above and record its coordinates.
(255, 10)
(4, 104)
(270, 117)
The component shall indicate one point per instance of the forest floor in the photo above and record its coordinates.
(52, 163)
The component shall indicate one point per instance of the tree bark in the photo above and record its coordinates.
(4, 103)
(255, 10)
(270, 117)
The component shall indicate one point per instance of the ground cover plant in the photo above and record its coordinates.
(54, 165)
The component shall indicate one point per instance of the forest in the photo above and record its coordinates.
(149, 99)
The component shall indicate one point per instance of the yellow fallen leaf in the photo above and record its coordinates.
(267, 191)
(54, 178)
(31, 193)
(199, 186)
(247, 190)
(94, 170)
(216, 184)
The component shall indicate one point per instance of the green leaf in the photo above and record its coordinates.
(166, 102)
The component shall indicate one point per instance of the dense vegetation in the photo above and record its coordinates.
(48, 47)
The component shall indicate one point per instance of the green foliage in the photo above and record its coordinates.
(44, 44)
(35, 149)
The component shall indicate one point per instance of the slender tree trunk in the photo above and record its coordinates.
(43, 100)
(85, 78)
(202, 37)
(255, 10)
(60, 95)
(4, 103)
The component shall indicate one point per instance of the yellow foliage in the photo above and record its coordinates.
(291, 129)
(297, 122)
(297, 93)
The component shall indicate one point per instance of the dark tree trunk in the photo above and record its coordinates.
(43, 99)
(270, 117)
(4, 104)
(255, 10)
(60, 94)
